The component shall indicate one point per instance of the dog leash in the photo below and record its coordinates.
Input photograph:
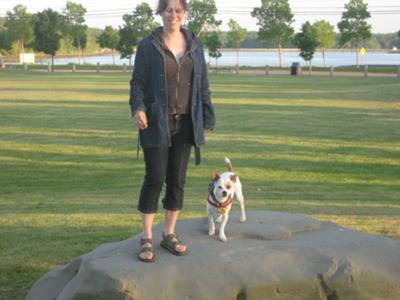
(138, 144)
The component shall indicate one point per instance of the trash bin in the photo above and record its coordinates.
(295, 69)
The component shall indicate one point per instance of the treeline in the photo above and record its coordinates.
(52, 33)
(378, 41)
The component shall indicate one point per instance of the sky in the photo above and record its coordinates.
(385, 14)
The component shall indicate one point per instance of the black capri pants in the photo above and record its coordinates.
(169, 164)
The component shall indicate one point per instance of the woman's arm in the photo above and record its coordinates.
(138, 82)
(208, 110)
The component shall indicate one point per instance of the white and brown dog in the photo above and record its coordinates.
(222, 190)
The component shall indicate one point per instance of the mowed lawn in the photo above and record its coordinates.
(69, 177)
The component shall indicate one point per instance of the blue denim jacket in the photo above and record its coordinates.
(149, 92)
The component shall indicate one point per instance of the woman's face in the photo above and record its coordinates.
(173, 15)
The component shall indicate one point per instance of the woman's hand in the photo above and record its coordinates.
(140, 120)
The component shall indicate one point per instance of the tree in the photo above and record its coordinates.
(47, 31)
(213, 43)
(137, 25)
(202, 17)
(326, 36)
(307, 41)
(109, 39)
(19, 26)
(354, 26)
(275, 19)
(77, 30)
(236, 35)
(5, 41)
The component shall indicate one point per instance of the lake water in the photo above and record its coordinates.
(259, 59)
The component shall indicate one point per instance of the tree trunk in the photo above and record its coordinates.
(237, 61)
(79, 50)
(357, 50)
(280, 54)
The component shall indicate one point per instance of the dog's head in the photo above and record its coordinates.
(223, 186)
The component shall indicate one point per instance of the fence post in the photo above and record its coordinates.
(26, 66)
(267, 70)
(124, 67)
(49, 67)
(398, 71)
(331, 72)
(98, 68)
(73, 68)
(366, 71)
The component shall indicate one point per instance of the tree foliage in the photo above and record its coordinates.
(202, 17)
(213, 43)
(5, 40)
(236, 34)
(137, 25)
(47, 30)
(307, 41)
(325, 35)
(109, 39)
(76, 29)
(275, 19)
(19, 26)
(353, 26)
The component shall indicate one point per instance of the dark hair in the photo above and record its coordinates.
(162, 5)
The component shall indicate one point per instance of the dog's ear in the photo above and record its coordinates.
(233, 178)
(215, 176)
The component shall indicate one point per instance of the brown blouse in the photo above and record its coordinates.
(179, 77)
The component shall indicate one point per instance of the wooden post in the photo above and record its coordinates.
(98, 68)
(366, 71)
(26, 66)
(73, 68)
(267, 70)
(398, 71)
(331, 72)
(49, 67)
(124, 67)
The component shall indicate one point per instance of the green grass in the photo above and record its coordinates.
(69, 179)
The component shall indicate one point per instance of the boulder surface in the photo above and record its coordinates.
(271, 256)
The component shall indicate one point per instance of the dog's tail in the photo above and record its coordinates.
(228, 164)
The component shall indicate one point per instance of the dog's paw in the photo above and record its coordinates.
(211, 232)
(242, 219)
(223, 238)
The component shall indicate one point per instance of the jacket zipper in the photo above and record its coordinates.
(177, 81)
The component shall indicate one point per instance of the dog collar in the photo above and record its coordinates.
(218, 204)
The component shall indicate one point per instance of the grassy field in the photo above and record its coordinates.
(69, 179)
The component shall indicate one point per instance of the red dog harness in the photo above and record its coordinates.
(220, 206)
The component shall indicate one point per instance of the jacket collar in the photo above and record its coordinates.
(157, 39)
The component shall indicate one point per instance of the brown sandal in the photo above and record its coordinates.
(143, 249)
(170, 242)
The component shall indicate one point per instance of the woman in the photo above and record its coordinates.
(171, 107)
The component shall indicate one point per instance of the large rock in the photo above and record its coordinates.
(271, 256)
